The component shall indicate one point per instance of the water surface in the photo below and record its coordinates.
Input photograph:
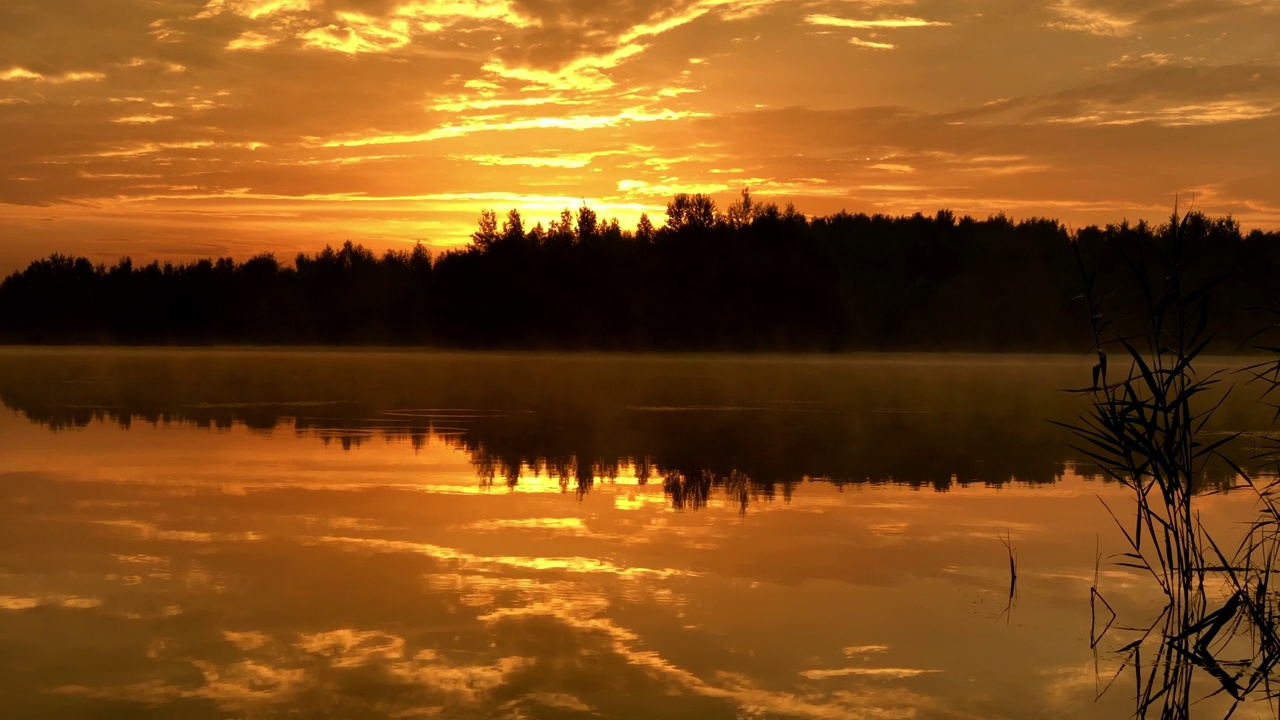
(266, 534)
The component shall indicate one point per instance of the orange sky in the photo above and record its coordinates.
(185, 128)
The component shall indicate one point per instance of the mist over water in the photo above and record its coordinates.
(205, 533)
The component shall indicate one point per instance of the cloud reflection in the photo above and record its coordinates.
(560, 564)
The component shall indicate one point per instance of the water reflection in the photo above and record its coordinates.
(184, 546)
(693, 423)
(752, 428)
(1193, 662)
(1216, 636)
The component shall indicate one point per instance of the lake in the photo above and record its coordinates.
(273, 533)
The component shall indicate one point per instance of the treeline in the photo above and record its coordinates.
(751, 277)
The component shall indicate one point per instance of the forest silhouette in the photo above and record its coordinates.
(753, 277)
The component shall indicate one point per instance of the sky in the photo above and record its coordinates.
(178, 129)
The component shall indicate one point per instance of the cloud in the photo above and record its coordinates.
(250, 124)
(1110, 19)
(251, 40)
(568, 160)
(448, 11)
(20, 74)
(1149, 59)
(583, 75)
(882, 23)
(356, 33)
(1080, 17)
(142, 119)
(871, 44)
(572, 122)
(252, 9)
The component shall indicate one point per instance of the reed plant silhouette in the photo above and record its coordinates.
(1145, 427)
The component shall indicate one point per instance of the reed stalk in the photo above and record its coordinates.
(1145, 428)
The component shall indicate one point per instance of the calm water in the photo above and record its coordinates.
(189, 534)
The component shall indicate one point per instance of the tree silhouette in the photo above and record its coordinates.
(486, 233)
(644, 229)
(694, 212)
(755, 277)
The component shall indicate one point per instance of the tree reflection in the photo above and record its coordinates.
(731, 428)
